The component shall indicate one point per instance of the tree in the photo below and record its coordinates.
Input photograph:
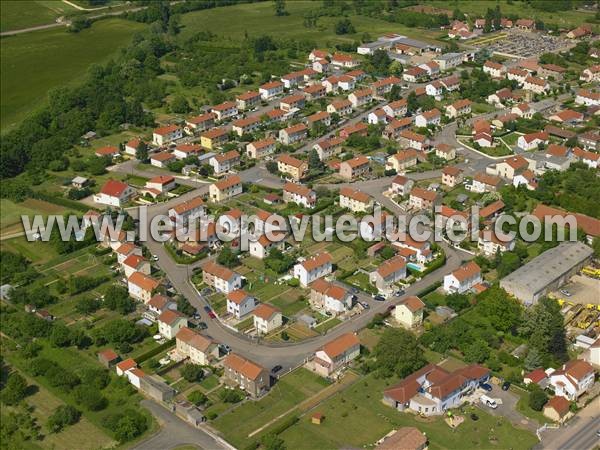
(280, 8)
(89, 397)
(197, 398)
(126, 425)
(314, 162)
(15, 389)
(232, 395)
(457, 301)
(397, 353)
(192, 372)
(141, 151)
(533, 360)
(272, 167)
(227, 258)
(544, 327)
(537, 399)
(344, 26)
(271, 441)
(180, 105)
(477, 352)
(62, 416)
(61, 335)
(116, 298)
(87, 305)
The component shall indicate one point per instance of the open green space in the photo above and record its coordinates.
(259, 18)
(20, 14)
(34, 63)
(10, 222)
(290, 391)
(356, 417)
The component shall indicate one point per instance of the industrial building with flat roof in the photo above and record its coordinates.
(547, 272)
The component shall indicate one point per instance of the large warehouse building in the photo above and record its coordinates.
(547, 272)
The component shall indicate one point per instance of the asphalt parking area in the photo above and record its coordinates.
(507, 407)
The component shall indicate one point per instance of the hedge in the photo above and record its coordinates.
(429, 289)
(155, 351)
(61, 201)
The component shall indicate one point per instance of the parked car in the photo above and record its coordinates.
(379, 298)
(505, 386)
(154, 257)
(207, 309)
(202, 325)
(364, 305)
(212, 315)
(486, 387)
(489, 402)
(565, 292)
(276, 368)
(474, 417)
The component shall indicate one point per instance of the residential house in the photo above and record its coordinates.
(225, 189)
(491, 244)
(327, 148)
(414, 74)
(294, 101)
(396, 126)
(131, 146)
(433, 117)
(523, 110)
(406, 438)
(590, 140)
(409, 313)
(199, 349)
(142, 287)
(385, 85)
(402, 160)
(107, 152)
(330, 297)
(299, 194)
(261, 148)
(321, 66)
(551, 72)
(451, 83)
(463, 278)
(397, 108)
(164, 135)
(432, 68)
(247, 125)
(293, 134)
(314, 92)
(511, 167)
(313, 268)
(360, 97)
(293, 168)
(317, 54)
(557, 409)
(423, 199)
(435, 89)
(445, 151)
(340, 107)
(224, 162)
(114, 193)
(160, 184)
(459, 108)
(449, 61)
(355, 200)
(531, 141)
(266, 318)
(537, 376)
(187, 211)
(591, 74)
(197, 124)
(183, 151)
(336, 354)
(159, 304)
(248, 100)
(388, 273)
(263, 245)
(162, 159)
(494, 69)
(414, 140)
(240, 303)
(214, 138)
(170, 322)
(525, 24)
(401, 185)
(590, 159)
(354, 168)
(587, 97)
(271, 89)
(276, 115)
(359, 128)
(250, 376)
(135, 263)
(433, 390)
(126, 249)
(483, 182)
(225, 110)
(573, 379)
(125, 366)
(536, 85)
(320, 117)
(376, 117)
(452, 176)
(220, 277)
(108, 358)
(519, 75)
(344, 60)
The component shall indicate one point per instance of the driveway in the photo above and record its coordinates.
(174, 432)
(508, 408)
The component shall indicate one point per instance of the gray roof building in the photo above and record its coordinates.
(547, 272)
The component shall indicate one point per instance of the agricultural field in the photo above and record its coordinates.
(10, 222)
(21, 14)
(477, 8)
(34, 63)
(259, 18)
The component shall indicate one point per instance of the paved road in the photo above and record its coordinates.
(508, 408)
(174, 432)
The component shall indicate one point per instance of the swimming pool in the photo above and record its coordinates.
(414, 266)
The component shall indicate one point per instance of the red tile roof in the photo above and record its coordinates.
(340, 345)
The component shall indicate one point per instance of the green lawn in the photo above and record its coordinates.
(34, 63)
(291, 390)
(259, 18)
(356, 417)
(10, 222)
(21, 14)
(37, 252)
(327, 325)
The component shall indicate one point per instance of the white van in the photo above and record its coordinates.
(487, 401)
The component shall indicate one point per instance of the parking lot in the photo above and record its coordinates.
(581, 289)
